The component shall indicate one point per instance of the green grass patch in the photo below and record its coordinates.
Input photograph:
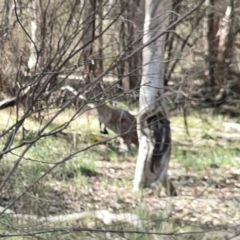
(204, 157)
(91, 173)
(203, 147)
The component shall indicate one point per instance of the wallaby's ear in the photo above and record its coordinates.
(91, 68)
(95, 90)
(94, 67)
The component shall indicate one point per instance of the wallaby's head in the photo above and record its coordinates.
(94, 92)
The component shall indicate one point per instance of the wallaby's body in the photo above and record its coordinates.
(119, 121)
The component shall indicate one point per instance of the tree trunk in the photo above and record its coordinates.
(128, 71)
(42, 27)
(176, 5)
(209, 42)
(154, 128)
(89, 22)
(223, 59)
(5, 24)
(33, 51)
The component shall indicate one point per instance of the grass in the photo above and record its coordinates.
(201, 148)
(101, 177)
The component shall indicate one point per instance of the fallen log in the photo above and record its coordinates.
(10, 102)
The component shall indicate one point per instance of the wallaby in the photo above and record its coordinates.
(104, 130)
(118, 120)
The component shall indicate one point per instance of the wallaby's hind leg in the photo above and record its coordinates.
(104, 131)
(127, 141)
(171, 191)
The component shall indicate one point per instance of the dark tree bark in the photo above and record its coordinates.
(209, 35)
(224, 52)
(129, 73)
(176, 5)
(89, 21)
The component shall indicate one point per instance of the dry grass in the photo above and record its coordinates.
(204, 170)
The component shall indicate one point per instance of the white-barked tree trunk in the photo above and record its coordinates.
(153, 125)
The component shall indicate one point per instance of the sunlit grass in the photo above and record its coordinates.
(196, 152)
(201, 148)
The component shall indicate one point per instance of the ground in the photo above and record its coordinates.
(204, 169)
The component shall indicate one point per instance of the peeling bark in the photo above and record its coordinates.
(154, 128)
